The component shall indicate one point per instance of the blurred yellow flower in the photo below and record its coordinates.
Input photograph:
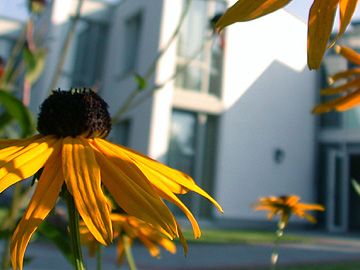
(285, 206)
(320, 20)
(73, 154)
(349, 90)
(134, 229)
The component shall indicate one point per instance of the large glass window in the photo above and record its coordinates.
(133, 26)
(181, 153)
(121, 132)
(200, 51)
(192, 150)
(90, 46)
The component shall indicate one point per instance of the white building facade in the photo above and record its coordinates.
(237, 117)
(232, 110)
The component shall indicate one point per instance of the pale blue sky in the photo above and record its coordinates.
(17, 8)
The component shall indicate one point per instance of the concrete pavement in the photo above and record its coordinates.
(212, 257)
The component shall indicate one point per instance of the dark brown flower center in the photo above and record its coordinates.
(79, 111)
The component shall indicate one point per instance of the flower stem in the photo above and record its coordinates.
(128, 253)
(275, 252)
(9, 224)
(98, 258)
(74, 232)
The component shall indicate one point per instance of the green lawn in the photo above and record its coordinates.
(264, 237)
(241, 237)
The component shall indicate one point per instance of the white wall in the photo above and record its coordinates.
(118, 86)
(268, 96)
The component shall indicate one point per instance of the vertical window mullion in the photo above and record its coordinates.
(199, 158)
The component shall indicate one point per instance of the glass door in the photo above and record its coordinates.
(337, 195)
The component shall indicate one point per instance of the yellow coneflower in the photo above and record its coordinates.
(133, 228)
(285, 206)
(73, 154)
(320, 21)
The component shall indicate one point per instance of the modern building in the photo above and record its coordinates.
(339, 150)
(232, 110)
(237, 118)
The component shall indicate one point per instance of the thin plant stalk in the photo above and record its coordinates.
(98, 257)
(74, 232)
(129, 104)
(150, 71)
(275, 252)
(129, 257)
(15, 52)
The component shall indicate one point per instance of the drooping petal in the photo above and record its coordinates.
(320, 24)
(183, 241)
(311, 207)
(154, 170)
(153, 249)
(310, 218)
(350, 54)
(20, 163)
(340, 104)
(167, 244)
(160, 175)
(41, 203)
(347, 9)
(82, 176)
(342, 88)
(134, 194)
(245, 10)
(168, 195)
(344, 75)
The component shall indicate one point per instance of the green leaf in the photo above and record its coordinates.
(141, 82)
(17, 110)
(5, 119)
(34, 64)
(58, 237)
(356, 186)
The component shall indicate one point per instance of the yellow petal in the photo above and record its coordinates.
(167, 244)
(18, 164)
(120, 252)
(347, 9)
(160, 175)
(321, 20)
(41, 203)
(82, 176)
(340, 104)
(18, 142)
(168, 195)
(350, 54)
(310, 218)
(134, 194)
(311, 207)
(151, 247)
(155, 171)
(245, 10)
(344, 74)
(182, 240)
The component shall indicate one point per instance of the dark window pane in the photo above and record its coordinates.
(121, 132)
(181, 153)
(90, 47)
(188, 78)
(133, 27)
